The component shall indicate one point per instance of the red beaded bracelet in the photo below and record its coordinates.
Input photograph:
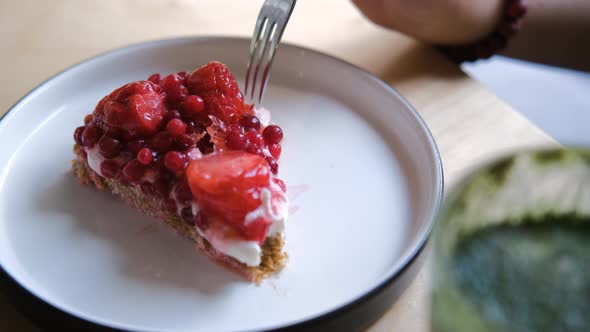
(497, 40)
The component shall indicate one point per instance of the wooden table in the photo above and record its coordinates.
(470, 125)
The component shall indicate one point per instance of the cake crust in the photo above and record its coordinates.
(273, 257)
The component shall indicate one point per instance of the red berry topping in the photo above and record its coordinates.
(273, 134)
(176, 127)
(254, 138)
(162, 142)
(216, 85)
(135, 109)
(184, 75)
(254, 149)
(175, 161)
(275, 150)
(174, 87)
(109, 168)
(133, 171)
(185, 142)
(155, 78)
(192, 106)
(90, 136)
(191, 128)
(250, 122)
(148, 129)
(135, 145)
(228, 185)
(144, 156)
(272, 163)
(235, 127)
(172, 114)
(78, 135)
(235, 140)
(109, 147)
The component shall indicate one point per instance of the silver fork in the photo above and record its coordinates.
(270, 25)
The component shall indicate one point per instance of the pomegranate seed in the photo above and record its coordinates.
(250, 122)
(187, 215)
(235, 140)
(78, 135)
(183, 192)
(281, 184)
(174, 88)
(90, 136)
(273, 134)
(192, 106)
(202, 221)
(109, 147)
(109, 168)
(144, 156)
(162, 142)
(174, 161)
(170, 205)
(88, 118)
(155, 78)
(185, 142)
(254, 138)
(275, 150)
(172, 114)
(135, 146)
(133, 171)
(176, 127)
(253, 149)
(272, 163)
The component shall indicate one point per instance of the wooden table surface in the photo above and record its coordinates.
(470, 124)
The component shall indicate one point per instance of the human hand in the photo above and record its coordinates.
(435, 21)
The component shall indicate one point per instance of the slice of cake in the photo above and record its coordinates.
(187, 150)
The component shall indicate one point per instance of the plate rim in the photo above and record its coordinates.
(405, 261)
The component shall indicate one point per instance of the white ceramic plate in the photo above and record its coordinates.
(362, 170)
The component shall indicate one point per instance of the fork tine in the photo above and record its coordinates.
(258, 51)
(268, 57)
(260, 23)
(270, 25)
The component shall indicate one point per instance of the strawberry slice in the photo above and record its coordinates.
(229, 185)
(216, 85)
(133, 110)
